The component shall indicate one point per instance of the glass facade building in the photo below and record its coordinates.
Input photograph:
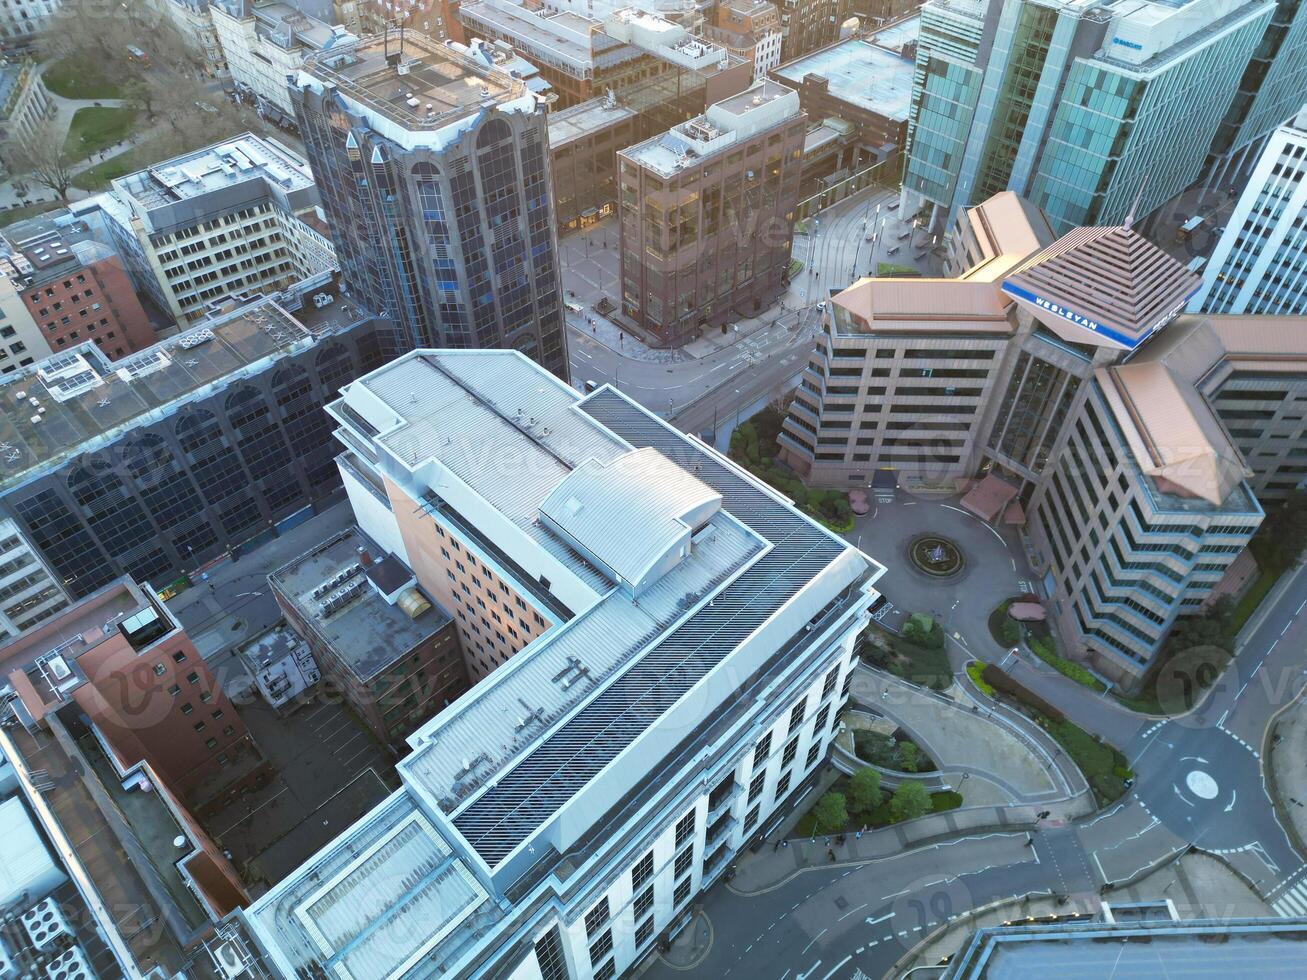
(434, 176)
(184, 451)
(1089, 110)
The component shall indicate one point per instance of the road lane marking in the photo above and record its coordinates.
(837, 966)
(872, 922)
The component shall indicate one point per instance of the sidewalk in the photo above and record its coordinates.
(782, 855)
(1286, 770)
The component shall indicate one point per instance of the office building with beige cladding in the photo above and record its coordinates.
(1052, 380)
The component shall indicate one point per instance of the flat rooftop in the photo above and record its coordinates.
(585, 119)
(1185, 950)
(562, 35)
(427, 86)
(502, 760)
(215, 168)
(278, 17)
(761, 106)
(859, 73)
(365, 631)
(69, 402)
(895, 36)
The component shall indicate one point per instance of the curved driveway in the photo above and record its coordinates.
(1199, 783)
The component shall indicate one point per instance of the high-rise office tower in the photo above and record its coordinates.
(434, 176)
(1090, 109)
(1273, 83)
(1260, 262)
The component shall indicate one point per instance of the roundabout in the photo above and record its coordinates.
(936, 555)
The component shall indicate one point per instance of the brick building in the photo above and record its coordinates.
(77, 291)
(136, 677)
(379, 641)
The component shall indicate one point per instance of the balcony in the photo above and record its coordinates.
(718, 832)
(719, 801)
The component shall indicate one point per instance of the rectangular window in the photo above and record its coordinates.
(752, 818)
(829, 686)
(643, 932)
(602, 946)
(788, 755)
(796, 714)
(755, 787)
(819, 727)
(681, 894)
(762, 750)
(596, 918)
(685, 828)
(644, 903)
(642, 871)
(683, 862)
(812, 756)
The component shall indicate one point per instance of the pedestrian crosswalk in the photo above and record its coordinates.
(1292, 902)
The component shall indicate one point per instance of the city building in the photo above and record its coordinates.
(161, 462)
(29, 590)
(380, 642)
(560, 818)
(1271, 89)
(451, 233)
(127, 664)
(1092, 417)
(750, 30)
(22, 20)
(807, 25)
(60, 921)
(904, 369)
(21, 340)
(194, 22)
(858, 82)
(1113, 118)
(654, 64)
(583, 145)
(1137, 940)
(76, 290)
(225, 220)
(266, 40)
(25, 105)
(707, 214)
(1259, 264)
(283, 668)
(118, 735)
(1253, 372)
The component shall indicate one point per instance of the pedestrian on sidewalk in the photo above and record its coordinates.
(830, 853)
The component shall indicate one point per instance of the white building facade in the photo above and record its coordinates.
(265, 42)
(560, 818)
(1260, 262)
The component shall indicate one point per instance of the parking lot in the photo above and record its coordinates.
(330, 772)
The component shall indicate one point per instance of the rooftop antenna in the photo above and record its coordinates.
(1130, 218)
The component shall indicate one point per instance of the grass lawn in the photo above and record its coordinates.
(94, 129)
(894, 269)
(31, 211)
(1104, 767)
(97, 178)
(74, 78)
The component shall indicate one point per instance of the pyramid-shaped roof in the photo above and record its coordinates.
(1105, 286)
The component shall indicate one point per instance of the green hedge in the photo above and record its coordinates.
(1104, 767)
(1002, 681)
(1043, 649)
(976, 671)
(753, 446)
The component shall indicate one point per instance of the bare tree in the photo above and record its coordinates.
(41, 154)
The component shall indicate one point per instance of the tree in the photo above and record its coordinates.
(907, 756)
(41, 155)
(1010, 631)
(909, 801)
(832, 812)
(1279, 542)
(1210, 628)
(864, 789)
(922, 630)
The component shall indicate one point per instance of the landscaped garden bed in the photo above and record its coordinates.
(753, 446)
(857, 803)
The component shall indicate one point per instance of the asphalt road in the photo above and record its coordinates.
(1198, 782)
